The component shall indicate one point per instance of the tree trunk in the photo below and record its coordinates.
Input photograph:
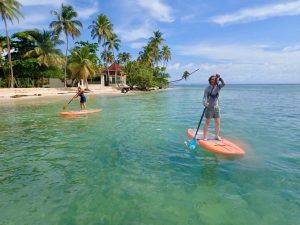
(107, 76)
(86, 84)
(9, 54)
(66, 60)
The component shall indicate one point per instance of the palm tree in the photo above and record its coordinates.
(24, 41)
(2, 49)
(44, 50)
(9, 10)
(147, 56)
(65, 23)
(113, 43)
(151, 54)
(166, 54)
(107, 56)
(101, 28)
(155, 42)
(2, 44)
(123, 57)
(157, 38)
(83, 63)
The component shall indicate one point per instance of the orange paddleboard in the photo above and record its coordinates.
(81, 112)
(222, 146)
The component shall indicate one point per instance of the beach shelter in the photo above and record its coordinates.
(116, 75)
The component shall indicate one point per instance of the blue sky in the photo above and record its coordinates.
(254, 41)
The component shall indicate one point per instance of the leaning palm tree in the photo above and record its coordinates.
(185, 76)
(65, 23)
(9, 10)
(101, 28)
(45, 49)
(83, 64)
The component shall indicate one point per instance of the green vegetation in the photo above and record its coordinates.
(30, 57)
(83, 64)
(9, 10)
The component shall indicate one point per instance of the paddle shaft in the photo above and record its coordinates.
(200, 121)
(73, 98)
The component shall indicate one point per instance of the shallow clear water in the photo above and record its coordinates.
(129, 164)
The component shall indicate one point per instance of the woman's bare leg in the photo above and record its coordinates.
(217, 128)
(205, 128)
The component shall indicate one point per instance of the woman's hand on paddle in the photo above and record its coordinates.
(205, 104)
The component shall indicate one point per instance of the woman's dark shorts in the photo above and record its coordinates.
(82, 99)
(212, 112)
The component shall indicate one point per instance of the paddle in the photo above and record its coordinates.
(193, 142)
(66, 105)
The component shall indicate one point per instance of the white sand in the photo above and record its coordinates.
(12, 94)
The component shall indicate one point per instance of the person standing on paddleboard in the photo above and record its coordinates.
(82, 98)
(211, 102)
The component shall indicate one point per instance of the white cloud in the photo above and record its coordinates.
(242, 63)
(129, 34)
(41, 2)
(173, 67)
(259, 13)
(32, 21)
(239, 53)
(137, 45)
(37, 13)
(88, 11)
(157, 10)
(241, 73)
(292, 48)
(187, 18)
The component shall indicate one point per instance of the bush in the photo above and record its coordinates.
(3, 82)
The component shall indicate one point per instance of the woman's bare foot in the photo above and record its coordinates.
(218, 138)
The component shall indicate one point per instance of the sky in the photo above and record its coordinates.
(246, 42)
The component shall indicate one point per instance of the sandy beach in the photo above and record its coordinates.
(12, 94)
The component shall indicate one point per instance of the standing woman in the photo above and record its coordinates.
(211, 102)
(82, 98)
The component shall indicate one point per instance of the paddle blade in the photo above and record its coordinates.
(193, 143)
(65, 107)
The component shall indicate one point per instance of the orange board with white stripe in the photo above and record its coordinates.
(223, 146)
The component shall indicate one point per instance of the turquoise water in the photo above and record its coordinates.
(129, 164)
